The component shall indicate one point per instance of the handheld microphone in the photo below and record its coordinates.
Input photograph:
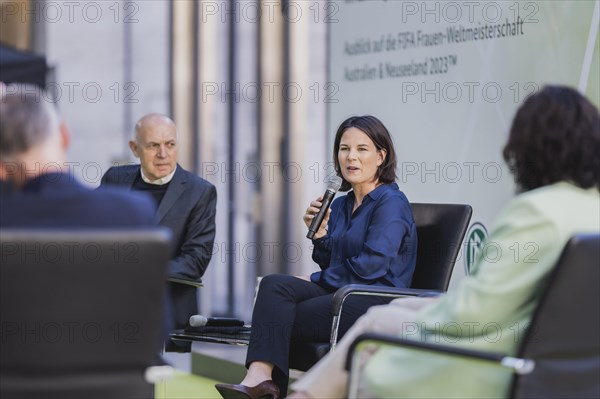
(201, 321)
(334, 184)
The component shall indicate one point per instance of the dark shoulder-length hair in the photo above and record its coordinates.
(555, 136)
(378, 133)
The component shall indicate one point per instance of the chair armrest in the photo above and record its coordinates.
(193, 283)
(518, 365)
(374, 290)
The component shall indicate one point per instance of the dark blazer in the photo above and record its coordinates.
(188, 209)
(6, 188)
(57, 200)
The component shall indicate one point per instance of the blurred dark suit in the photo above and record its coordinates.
(57, 200)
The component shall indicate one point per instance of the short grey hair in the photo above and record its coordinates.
(27, 118)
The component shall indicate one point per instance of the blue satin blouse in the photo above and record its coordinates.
(377, 244)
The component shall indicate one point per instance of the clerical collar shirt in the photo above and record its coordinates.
(377, 244)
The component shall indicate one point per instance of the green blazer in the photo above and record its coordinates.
(490, 309)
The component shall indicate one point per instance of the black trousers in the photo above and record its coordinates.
(289, 310)
(181, 304)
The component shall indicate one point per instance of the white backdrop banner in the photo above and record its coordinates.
(446, 77)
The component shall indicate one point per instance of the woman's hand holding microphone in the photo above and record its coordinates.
(310, 214)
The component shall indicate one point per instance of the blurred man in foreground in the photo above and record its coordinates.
(37, 189)
(39, 193)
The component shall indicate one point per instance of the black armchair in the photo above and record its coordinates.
(560, 354)
(440, 231)
(81, 312)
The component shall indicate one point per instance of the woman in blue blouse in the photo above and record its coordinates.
(367, 237)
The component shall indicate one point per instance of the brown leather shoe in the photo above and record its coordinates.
(264, 390)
